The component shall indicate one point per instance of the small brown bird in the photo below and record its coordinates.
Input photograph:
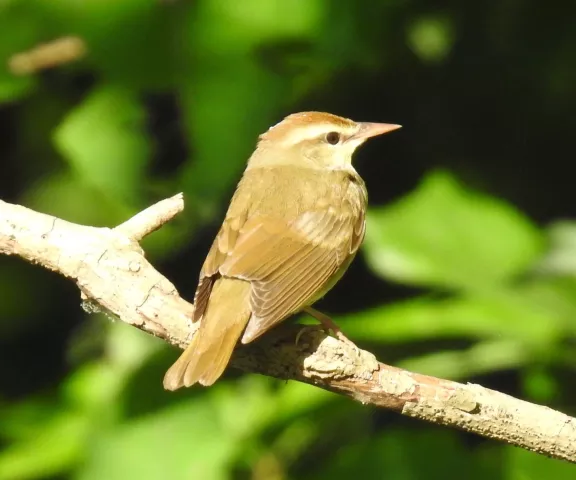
(293, 226)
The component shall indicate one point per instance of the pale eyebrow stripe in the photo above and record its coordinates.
(311, 131)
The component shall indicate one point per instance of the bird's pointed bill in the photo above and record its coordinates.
(368, 130)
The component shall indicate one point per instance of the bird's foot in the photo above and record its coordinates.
(329, 325)
(309, 328)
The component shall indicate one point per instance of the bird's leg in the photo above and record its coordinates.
(309, 328)
(328, 324)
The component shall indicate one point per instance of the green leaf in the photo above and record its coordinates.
(12, 88)
(501, 315)
(54, 449)
(104, 142)
(200, 437)
(21, 30)
(393, 455)
(26, 419)
(482, 358)
(179, 443)
(560, 259)
(445, 235)
(556, 295)
(233, 95)
(431, 37)
(58, 195)
(523, 465)
(216, 106)
(229, 28)
(541, 385)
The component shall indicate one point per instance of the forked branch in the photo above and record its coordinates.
(109, 267)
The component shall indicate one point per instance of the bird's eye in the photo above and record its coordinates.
(333, 138)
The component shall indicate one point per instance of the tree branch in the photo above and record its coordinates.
(109, 267)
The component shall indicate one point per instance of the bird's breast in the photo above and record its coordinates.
(293, 190)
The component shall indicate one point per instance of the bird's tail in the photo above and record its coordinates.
(226, 317)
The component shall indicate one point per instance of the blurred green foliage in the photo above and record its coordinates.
(490, 292)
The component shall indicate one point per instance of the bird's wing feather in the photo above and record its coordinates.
(289, 264)
(222, 247)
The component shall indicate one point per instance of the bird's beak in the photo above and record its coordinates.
(368, 130)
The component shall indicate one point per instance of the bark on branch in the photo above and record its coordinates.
(109, 267)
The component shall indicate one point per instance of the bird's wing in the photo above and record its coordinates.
(222, 247)
(289, 265)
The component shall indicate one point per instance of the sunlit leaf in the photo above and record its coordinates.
(431, 37)
(445, 235)
(500, 315)
(480, 359)
(231, 97)
(104, 142)
(216, 107)
(97, 385)
(556, 295)
(25, 419)
(180, 443)
(199, 437)
(58, 195)
(56, 447)
(560, 259)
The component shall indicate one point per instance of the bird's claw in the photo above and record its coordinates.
(334, 332)
(309, 328)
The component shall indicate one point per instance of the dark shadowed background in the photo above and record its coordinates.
(468, 270)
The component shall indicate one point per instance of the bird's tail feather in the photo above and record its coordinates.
(207, 356)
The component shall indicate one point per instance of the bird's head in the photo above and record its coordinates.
(316, 140)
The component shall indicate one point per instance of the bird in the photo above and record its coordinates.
(293, 226)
